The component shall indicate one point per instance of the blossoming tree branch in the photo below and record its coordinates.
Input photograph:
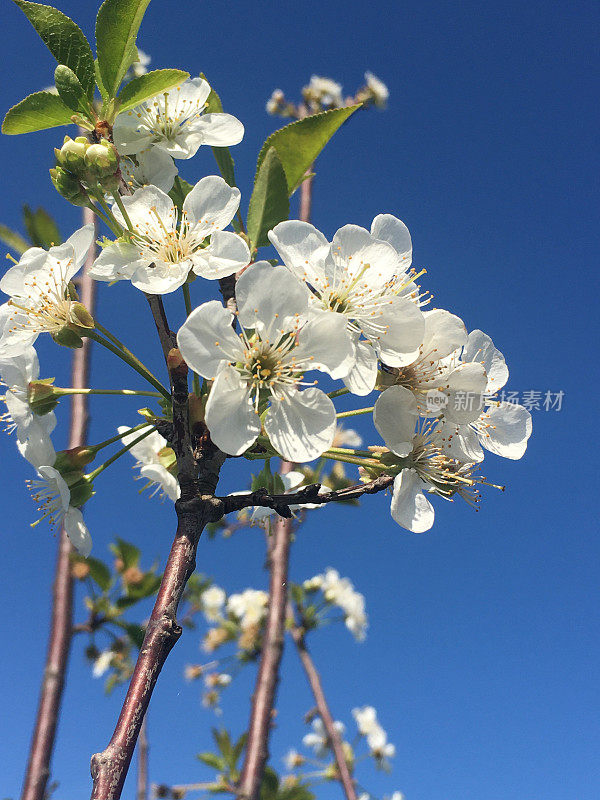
(255, 370)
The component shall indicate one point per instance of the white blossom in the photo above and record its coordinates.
(161, 253)
(155, 461)
(368, 726)
(318, 740)
(324, 92)
(340, 592)
(154, 167)
(263, 367)
(212, 601)
(32, 431)
(378, 89)
(346, 437)
(38, 289)
(139, 67)
(363, 278)
(293, 759)
(291, 481)
(502, 428)
(175, 122)
(249, 607)
(52, 495)
(102, 663)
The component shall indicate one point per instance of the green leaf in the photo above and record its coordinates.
(99, 83)
(135, 632)
(269, 203)
(70, 90)
(41, 228)
(145, 588)
(99, 573)
(269, 785)
(299, 143)
(149, 85)
(128, 553)
(222, 155)
(239, 747)
(212, 760)
(117, 26)
(64, 39)
(36, 112)
(13, 239)
(180, 191)
(223, 742)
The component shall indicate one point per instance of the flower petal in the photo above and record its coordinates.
(77, 531)
(392, 230)
(270, 299)
(303, 249)
(465, 387)
(160, 277)
(395, 416)
(206, 339)
(504, 430)
(211, 205)
(410, 508)
(230, 415)
(117, 261)
(149, 209)
(156, 473)
(301, 425)
(481, 348)
(217, 130)
(444, 333)
(326, 344)
(225, 255)
(396, 331)
(362, 377)
(354, 247)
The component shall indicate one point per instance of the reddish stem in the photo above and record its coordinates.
(59, 643)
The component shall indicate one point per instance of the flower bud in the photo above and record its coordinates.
(132, 576)
(71, 155)
(101, 159)
(67, 337)
(42, 397)
(80, 570)
(74, 460)
(81, 491)
(68, 185)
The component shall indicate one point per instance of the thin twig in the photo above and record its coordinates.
(314, 680)
(308, 494)
(263, 699)
(142, 773)
(59, 643)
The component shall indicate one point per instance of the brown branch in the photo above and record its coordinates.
(263, 699)
(142, 773)
(198, 472)
(59, 643)
(308, 494)
(333, 736)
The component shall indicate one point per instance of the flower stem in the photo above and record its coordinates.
(348, 451)
(355, 412)
(360, 462)
(125, 392)
(338, 393)
(123, 210)
(105, 219)
(128, 357)
(94, 474)
(121, 435)
(188, 310)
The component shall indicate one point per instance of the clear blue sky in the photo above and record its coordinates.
(482, 655)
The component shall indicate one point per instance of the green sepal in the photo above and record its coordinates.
(299, 143)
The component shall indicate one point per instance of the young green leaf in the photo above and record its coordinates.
(222, 155)
(269, 203)
(99, 573)
(36, 112)
(70, 90)
(212, 760)
(127, 552)
(117, 26)
(299, 143)
(13, 239)
(64, 39)
(148, 85)
(41, 228)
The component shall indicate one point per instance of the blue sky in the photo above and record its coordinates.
(482, 655)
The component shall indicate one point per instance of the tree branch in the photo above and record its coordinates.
(314, 680)
(59, 643)
(263, 699)
(308, 494)
(198, 472)
(142, 773)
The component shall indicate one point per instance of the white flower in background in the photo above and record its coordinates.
(176, 123)
(323, 91)
(38, 289)
(275, 101)
(291, 481)
(154, 168)
(368, 726)
(102, 663)
(212, 601)
(346, 437)
(362, 278)
(155, 460)
(293, 759)
(138, 67)
(318, 740)
(265, 365)
(249, 607)
(430, 470)
(379, 90)
(33, 431)
(502, 428)
(313, 584)
(52, 495)
(395, 796)
(340, 592)
(217, 679)
(162, 253)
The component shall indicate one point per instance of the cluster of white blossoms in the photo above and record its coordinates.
(340, 592)
(249, 607)
(369, 727)
(40, 302)
(318, 740)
